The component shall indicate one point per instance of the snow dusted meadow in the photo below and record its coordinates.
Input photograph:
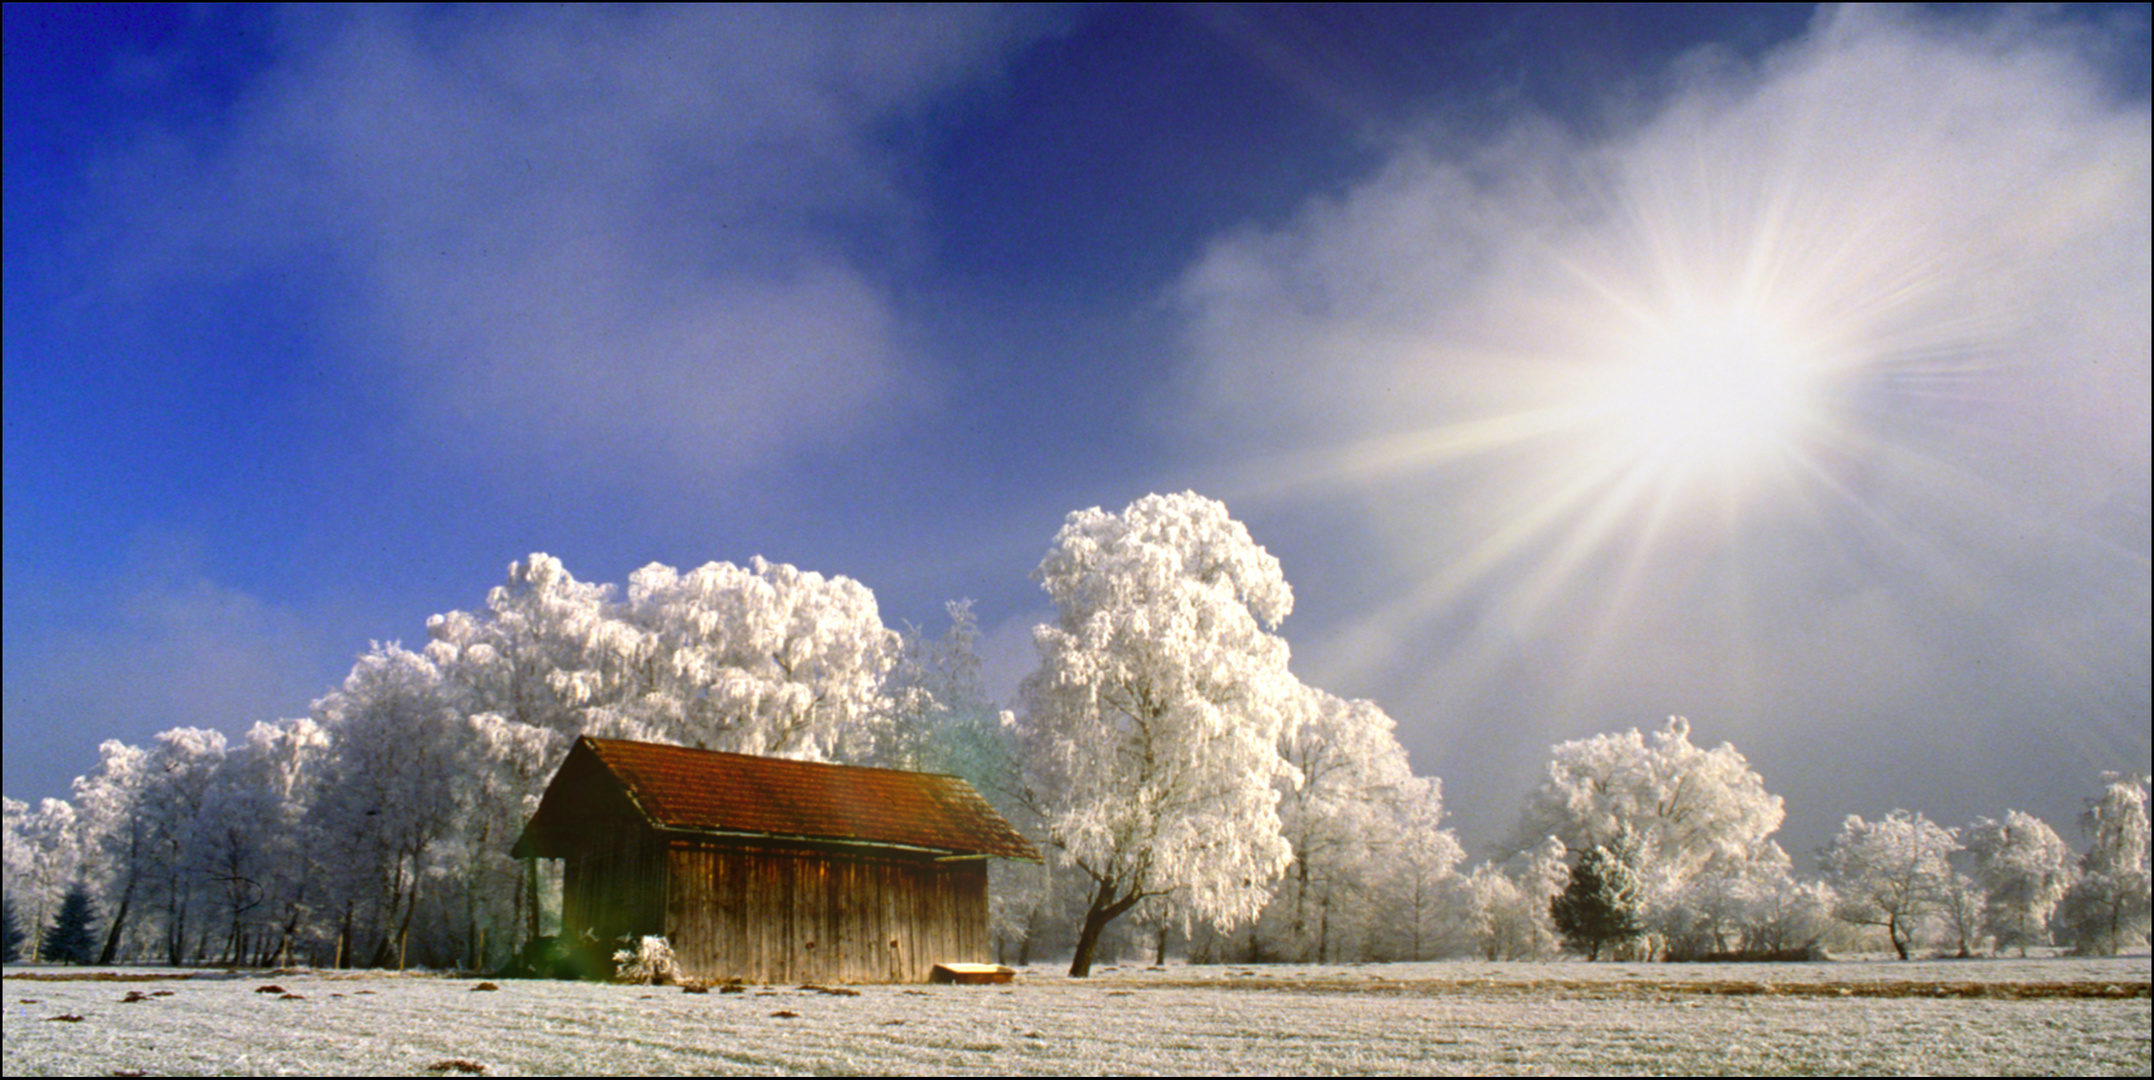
(2040, 1016)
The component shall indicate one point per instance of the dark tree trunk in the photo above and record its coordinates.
(175, 927)
(127, 893)
(1105, 909)
(1095, 920)
(119, 921)
(1323, 930)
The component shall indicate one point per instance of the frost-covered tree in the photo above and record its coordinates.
(765, 658)
(762, 659)
(1960, 907)
(1717, 909)
(141, 815)
(166, 838)
(513, 658)
(1891, 873)
(1152, 725)
(44, 857)
(1680, 806)
(944, 722)
(942, 717)
(385, 800)
(15, 851)
(1340, 814)
(2025, 869)
(1418, 871)
(507, 671)
(1501, 911)
(251, 830)
(2108, 910)
(115, 833)
(239, 830)
(1782, 913)
(501, 767)
(1599, 907)
(182, 765)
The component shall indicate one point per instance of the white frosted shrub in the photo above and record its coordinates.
(650, 963)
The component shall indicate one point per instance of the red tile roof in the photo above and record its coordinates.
(679, 788)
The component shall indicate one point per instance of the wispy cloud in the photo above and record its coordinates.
(608, 237)
(173, 647)
(1950, 218)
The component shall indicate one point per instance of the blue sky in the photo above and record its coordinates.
(316, 319)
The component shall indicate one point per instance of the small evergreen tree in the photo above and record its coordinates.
(14, 935)
(1600, 906)
(71, 940)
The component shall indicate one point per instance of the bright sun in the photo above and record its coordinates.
(1708, 396)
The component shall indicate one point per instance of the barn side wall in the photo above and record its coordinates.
(778, 915)
(614, 886)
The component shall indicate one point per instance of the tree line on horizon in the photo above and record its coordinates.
(1194, 794)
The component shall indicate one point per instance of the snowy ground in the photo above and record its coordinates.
(2045, 1016)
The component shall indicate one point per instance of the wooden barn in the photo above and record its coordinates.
(768, 870)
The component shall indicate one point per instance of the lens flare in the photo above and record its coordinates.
(1669, 407)
(1716, 396)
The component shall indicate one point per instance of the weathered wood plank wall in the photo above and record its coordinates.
(775, 915)
(614, 887)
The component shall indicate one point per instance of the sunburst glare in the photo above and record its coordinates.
(1694, 376)
(1705, 393)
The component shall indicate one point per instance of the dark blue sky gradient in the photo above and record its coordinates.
(280, 381)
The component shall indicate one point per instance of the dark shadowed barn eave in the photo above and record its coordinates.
(542, 843)
(828, 844)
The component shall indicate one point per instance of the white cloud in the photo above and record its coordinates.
(1952, 218)
(1925, 192)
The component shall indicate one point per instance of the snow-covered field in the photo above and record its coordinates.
(2044, 1016)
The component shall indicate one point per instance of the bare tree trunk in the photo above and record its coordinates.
(411, 908)
(344, 938)
(1105, 909)
(1298, 932)
(119, 921)
(175, 927)
(1087, 942)
(1323, 930)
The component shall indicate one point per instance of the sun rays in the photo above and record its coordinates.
(1684, 389)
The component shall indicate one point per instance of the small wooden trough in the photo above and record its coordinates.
(970, 973)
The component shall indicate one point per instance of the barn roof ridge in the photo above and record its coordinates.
(683, 789)
(773, 757)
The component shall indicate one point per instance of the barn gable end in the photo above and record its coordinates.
(770, 870)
